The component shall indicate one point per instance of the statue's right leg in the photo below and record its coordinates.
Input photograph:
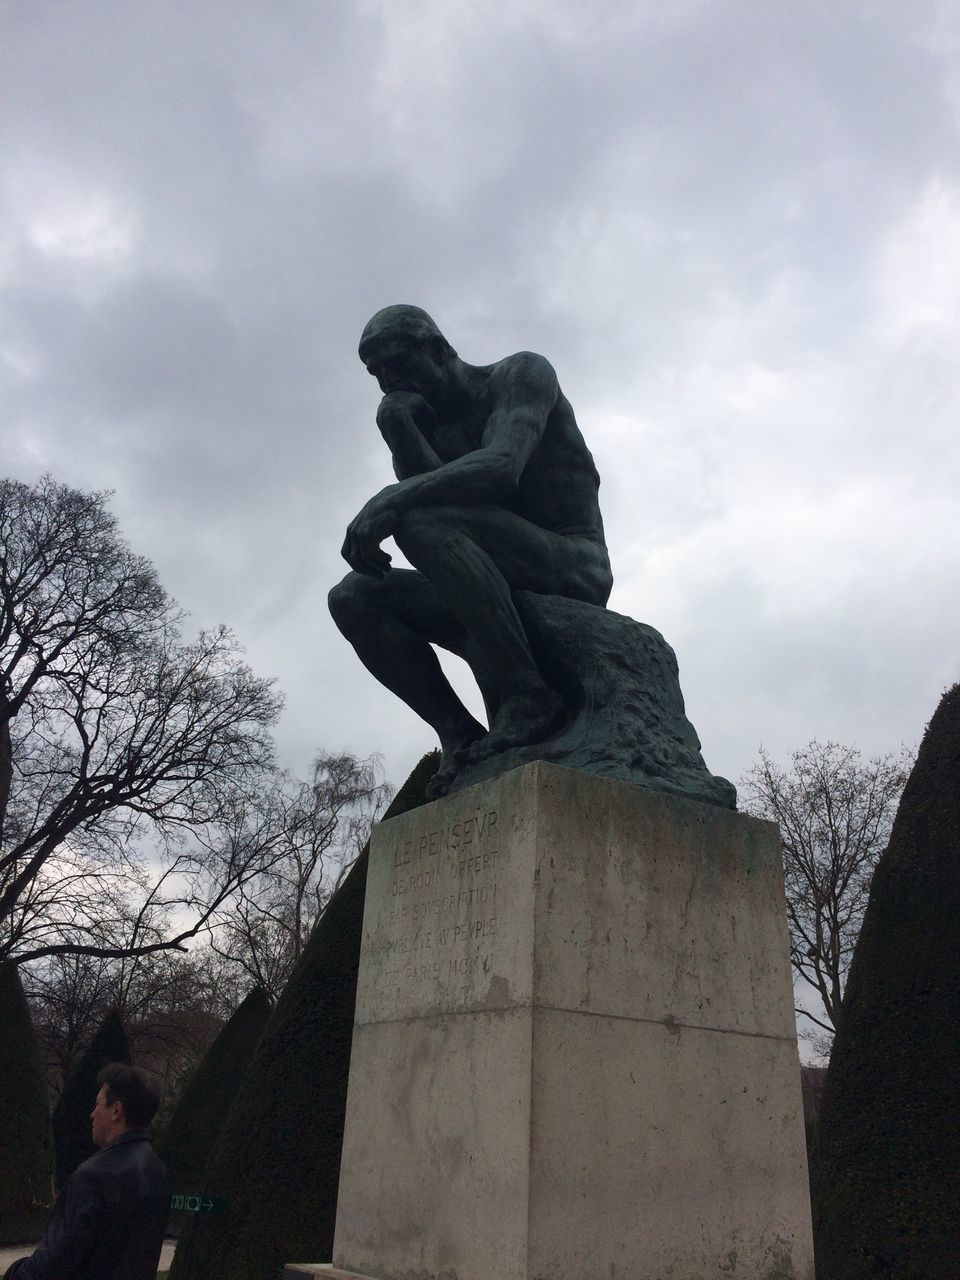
(391, 622)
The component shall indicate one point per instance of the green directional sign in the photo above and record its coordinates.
(198, 1204)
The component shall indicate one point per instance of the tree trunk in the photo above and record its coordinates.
(6, 770)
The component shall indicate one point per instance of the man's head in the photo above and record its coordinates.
(126, 1100)
(405, 351)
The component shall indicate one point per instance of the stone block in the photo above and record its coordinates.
(574, 1055)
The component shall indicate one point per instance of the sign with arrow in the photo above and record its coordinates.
(198, 1204)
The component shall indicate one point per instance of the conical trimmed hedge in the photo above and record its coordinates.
(71, 1117)
(885, 1174)
(200, 1114)
(277, 1160)
(25, 1163)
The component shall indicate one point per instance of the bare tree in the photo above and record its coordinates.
(121, 746)
(172, 1006)
(311, 832)
(835, 813)
(69, 997)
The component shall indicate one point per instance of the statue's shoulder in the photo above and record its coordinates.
(525, 367)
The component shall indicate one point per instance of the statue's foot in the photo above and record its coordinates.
(439, 784)
(520, 721)
(452, 756)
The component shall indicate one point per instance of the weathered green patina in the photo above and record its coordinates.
(496, 494)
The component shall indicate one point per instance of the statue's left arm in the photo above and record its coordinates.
(523, 392)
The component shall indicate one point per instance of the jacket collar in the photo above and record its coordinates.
(130, 1135)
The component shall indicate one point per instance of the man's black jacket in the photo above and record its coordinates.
(109, 1220)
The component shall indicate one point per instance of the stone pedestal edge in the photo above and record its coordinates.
(312, 1270)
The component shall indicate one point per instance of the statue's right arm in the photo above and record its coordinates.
(402, 418)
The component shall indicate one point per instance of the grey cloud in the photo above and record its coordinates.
(686, 207)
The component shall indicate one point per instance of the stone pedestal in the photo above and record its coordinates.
(574, 1055)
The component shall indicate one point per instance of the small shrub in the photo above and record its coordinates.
(71, 1118)
(25, 1188)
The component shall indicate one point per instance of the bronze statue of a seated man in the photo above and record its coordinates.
(496, 492)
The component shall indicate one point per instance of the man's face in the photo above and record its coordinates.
(400, 364)
(106, 1119)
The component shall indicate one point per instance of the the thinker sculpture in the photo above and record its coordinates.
(496, 508)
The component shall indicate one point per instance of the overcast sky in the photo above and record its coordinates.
(734, 228)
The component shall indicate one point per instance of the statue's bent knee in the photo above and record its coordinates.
(348, 599)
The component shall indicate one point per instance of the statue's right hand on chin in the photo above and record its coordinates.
(401, 405)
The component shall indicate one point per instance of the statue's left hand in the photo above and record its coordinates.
(376, 520)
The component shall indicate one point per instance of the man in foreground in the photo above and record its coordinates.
(496, 492)
(109, 1219)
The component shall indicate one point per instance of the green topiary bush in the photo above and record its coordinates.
(25, 1163)
(277, 1160)
(885, 1173)
(71, 1117)
(195, 1124)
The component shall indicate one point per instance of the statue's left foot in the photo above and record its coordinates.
(452, 756)
(439, 784)
(520, 721)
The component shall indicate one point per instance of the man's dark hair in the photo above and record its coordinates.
(134, 1089)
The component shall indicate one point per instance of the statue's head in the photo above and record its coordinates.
(404, 350)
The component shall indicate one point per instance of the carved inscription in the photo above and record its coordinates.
(441, 921)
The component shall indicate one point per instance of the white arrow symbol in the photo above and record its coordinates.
(208, 1205)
